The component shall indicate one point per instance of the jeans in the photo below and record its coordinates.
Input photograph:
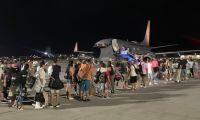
(155, 78)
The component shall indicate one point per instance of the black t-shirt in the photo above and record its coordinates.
(183, 64)
(15, 77)
(56, 71)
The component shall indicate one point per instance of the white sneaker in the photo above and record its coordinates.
(71, 98)
(58, 106)
(150, 83)
(33, 105)
(38, 108)
(43, 106)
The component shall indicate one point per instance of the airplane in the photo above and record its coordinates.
(47, 52)
(110, 48)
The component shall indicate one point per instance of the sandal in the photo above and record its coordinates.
(20, 108)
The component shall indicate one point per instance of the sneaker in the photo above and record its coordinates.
(20, 109)
(150, 83)
(38, 108)
(71, 98)
(33, 104)
(51, 106)
(4, 101)
(43, 106)
(57, 106)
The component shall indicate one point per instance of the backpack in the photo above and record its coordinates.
(98, 73)
(137, 71)
(140, 69)
(102, 77)
(118, 77)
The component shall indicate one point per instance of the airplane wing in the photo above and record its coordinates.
(42, 52)
(86, 52)
(163, 46)
(176, 52)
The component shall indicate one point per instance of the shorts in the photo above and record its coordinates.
(133, 79)
(143, 75)
(85, 85)
(54, 91)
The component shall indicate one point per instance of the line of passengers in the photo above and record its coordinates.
(86, 78)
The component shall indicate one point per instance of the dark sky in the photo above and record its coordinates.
(38, 24)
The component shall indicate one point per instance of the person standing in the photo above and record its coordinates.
(69, 79)
(133, 75)
(149, 71)
(86, 77)
(39, 85)
(144, 73)
(154, 63)
(54, 73)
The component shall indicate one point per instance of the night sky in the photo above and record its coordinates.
(38, 24)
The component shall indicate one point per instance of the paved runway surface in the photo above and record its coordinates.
(163, 102)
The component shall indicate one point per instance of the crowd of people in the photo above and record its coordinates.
(84, 78)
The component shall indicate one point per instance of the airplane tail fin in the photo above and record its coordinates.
(146, 40)
(76, 47)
